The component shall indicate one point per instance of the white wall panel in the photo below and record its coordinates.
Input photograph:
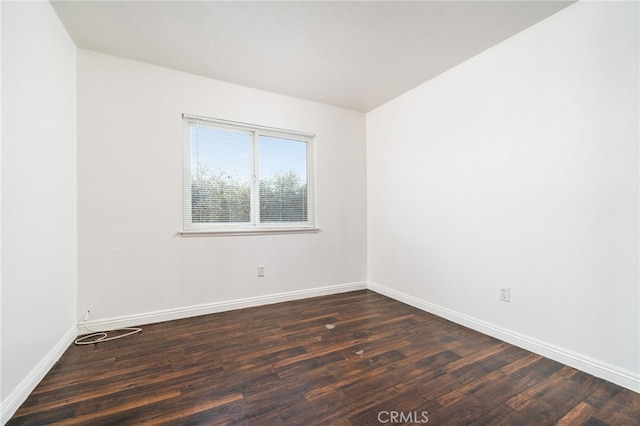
(519, 168)
(131, 259)
(39, 244)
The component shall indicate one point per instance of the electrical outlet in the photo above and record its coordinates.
(505, 294)
(261, 270)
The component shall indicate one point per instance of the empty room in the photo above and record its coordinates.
(320, 212)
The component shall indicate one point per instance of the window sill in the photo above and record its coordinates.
(238, 232)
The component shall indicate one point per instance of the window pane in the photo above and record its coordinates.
(283, 180)
(220, 175)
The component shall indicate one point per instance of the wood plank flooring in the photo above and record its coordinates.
(351, 359)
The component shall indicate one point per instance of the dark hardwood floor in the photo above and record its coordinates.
(351, 359)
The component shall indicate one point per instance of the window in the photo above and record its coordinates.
(245, 178)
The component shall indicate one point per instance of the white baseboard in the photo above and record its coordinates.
(581, 362)
(12, 402)
(215, 307)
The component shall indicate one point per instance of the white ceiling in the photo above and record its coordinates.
(356, 55)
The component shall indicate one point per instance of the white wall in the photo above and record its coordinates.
(519, 168)
(131, 260)
(39, 245)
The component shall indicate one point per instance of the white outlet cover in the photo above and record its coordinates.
(505, 294)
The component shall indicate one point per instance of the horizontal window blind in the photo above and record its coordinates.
(220, 175)
(283, 180)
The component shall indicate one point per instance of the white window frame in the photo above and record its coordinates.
(254, 227)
